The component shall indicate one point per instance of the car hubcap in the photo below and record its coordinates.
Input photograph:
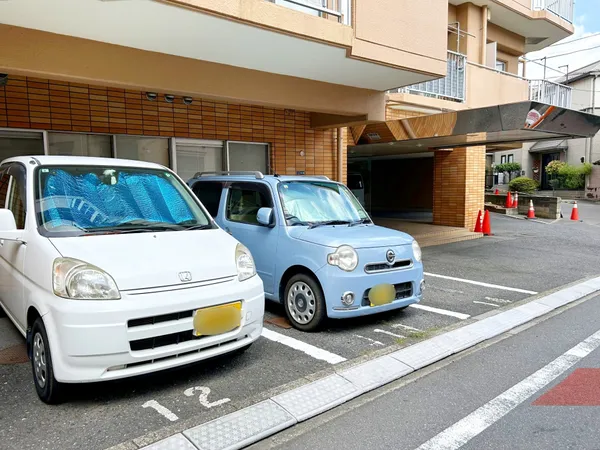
(39, 360)
(301, 302)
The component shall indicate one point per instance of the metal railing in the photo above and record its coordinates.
(562, 8)
(451, 87)
(323, 8)
(545, 91)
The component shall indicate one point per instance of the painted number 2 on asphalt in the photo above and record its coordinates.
(202, 398)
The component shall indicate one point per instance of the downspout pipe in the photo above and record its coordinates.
(591, 146)
(340, 155)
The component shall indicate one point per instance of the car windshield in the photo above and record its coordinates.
(78, 200)
(317, 203)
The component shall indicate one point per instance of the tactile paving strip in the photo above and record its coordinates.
(314, 398)
(241, 428)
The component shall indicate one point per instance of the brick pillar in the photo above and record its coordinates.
(458, 186)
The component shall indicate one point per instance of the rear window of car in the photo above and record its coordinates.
(209, 193)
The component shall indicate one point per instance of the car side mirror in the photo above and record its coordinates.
(265, 217)
(8, 227)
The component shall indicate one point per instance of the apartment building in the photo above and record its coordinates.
(282, 86)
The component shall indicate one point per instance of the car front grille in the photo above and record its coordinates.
(152, 320)
(161, 341)
(403, 290)
(385, 267)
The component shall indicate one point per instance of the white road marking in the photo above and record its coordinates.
(372, 341)
(310, 350)
(486, 303)
(399, 336)
(444, 312)
(467, 428)
(406, 327)
(480, 283)
(203, 397)
(497, 300)
(165, 412)
(451, 291)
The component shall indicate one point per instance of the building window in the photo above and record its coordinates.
(193, 156)
(248, 156)
(20, 143)
(503, 159)
(501, 65)
(510, 158)
(139, 148)
(75, 144)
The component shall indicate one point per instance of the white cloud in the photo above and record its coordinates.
(574, 60)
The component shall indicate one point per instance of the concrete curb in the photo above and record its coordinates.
(253, 423)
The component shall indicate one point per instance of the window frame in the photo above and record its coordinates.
(258, 187)
(504, 65)
(502, 159)
(9, 169)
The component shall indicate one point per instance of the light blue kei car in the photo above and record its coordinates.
(314, 246)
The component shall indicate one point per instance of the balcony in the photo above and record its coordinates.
(562, 8)
(337, 9)
(451, 87)
(545, 91)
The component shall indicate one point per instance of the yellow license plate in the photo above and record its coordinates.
(217, 319)
(382, 294)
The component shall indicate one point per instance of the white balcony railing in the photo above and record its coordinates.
(562, 8)
(451, 87)
(339, 9)
(545, 91)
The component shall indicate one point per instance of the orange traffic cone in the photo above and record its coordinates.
(478, 223)
(496, 192)
(509, 201)
(487, 228)
(575, 212)
(531, 212)
(516, 202)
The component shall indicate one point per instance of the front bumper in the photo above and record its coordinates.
(336, 282)
(92, 340)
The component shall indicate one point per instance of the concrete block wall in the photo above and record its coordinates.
(545, 207)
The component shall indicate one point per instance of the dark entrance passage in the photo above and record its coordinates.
(546, 159)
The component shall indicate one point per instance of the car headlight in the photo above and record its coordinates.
(417, 251)
(244, 263)
(345, 257)
(78, 280)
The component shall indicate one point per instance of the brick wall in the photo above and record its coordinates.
(61, 106)
(458, 186)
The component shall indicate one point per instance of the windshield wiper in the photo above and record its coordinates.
(207, 226)
(329, 222)
(360, 222)
(138, 226)
(292, 217)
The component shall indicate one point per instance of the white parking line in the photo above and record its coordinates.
(497, 300)
(310, 350)
(372, 341)
(479, 420)
(480, 283)
(486, 303)
(399, 336)
(406, 327)
(444, 312)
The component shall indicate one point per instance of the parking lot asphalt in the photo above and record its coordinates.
(521, 258)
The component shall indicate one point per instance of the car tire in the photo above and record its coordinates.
(2, 312)
(304, 303)
(48, 389)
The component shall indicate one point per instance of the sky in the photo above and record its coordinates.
(587, 23)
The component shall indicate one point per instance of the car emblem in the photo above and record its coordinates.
(390, 256)
(185, 276)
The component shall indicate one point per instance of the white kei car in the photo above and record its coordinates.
(112, 268)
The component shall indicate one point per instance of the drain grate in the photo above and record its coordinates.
(17, 354)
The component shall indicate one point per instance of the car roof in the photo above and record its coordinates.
(271, 179)
(44, 160)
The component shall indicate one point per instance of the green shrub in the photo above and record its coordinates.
(507, 167)
(554, 167)
(571, 177)
(523, 184)
(587, 168)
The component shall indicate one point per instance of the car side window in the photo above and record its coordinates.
(209, 193)
(244, 201)
(4, 181)
(16, 193)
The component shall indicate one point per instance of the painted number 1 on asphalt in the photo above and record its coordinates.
(202, 398)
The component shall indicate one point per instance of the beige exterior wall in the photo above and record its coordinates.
(372, 36)
(507, 41)
(41, 54)
(486, 87)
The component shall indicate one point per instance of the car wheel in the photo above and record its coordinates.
(304, 303)
(48, 389)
